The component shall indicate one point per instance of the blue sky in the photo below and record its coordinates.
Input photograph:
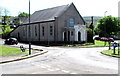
(85, 7)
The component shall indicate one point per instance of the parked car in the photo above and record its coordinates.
(12, 26)
(110, 39)
(115, 37)
(103, 39)
(97, 38)
(11, 41)
(106, 39)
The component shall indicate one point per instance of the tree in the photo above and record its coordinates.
(4, 13)
(89, 35)
(107, 26)
(5, 29)
(23, 14)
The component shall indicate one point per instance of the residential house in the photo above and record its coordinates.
(18, 20)
(58, 24)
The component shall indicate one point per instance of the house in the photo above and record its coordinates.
(88, 20)
(57, 24)
(18, 20)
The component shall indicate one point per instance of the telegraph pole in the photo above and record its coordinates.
(29, 32)
(105, 30)
(92, 27)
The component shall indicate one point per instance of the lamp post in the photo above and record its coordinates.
(105, 13)
(105, 30)
(29, 32)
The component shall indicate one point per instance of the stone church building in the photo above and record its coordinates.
(57, 24)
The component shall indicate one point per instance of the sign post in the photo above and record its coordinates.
(109, 45)
(114, 46)
(118, 50)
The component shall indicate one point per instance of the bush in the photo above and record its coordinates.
(5, 30)
(89, 35)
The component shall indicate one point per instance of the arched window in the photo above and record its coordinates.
(72, 22)
(35, 30)
(79, 36)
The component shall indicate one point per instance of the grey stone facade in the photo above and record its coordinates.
(53, 25)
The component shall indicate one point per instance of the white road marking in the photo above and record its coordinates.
(47, 66)
(73, 73)
(43, 67)
(57, 69)
(65, 71)
(50, 69)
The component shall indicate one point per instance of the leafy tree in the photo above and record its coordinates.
(107, 26)
(4, 13)
(5, 29)
(23, 14)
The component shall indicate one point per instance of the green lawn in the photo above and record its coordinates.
(9, 51)
(97, 44)
(101, 43)
(110, 53)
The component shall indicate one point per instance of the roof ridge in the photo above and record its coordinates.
(47, 14)
(51, 8)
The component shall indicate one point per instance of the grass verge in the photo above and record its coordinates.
(10, 51)
(110, 53)
(87, 45)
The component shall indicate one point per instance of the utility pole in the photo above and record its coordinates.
(105, 30)
(105, 13)
(91, 26)
(29, 32)
(105, 25)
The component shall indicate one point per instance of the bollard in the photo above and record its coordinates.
(22, 48)
(114, 46)
(118, 50)
(114, 50)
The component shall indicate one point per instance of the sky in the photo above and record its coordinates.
(85, 7)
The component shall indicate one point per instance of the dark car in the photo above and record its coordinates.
(11, 41)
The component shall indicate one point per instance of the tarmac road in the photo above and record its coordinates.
(64, 60)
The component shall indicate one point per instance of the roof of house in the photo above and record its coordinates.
(19, 18)
(46, 14)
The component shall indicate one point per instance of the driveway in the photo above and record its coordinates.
(64, 60)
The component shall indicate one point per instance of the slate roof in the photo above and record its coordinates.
(46, 14)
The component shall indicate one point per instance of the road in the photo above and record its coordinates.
(64, 60)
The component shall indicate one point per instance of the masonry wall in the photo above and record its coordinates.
(70, 13)
(37, 32)
(22, 32)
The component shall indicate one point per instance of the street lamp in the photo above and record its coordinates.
(105, 31)
(105, 26)
(29, 31)
(105, 13)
